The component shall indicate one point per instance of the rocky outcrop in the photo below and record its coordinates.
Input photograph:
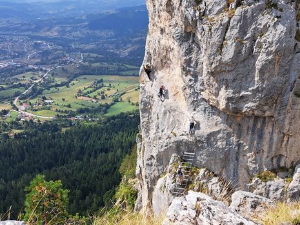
(249, 205)
(12, 222)
(234, 67)
(278, 189)
(293, 191)
(197, 208)
(273, 189)
(162, 194)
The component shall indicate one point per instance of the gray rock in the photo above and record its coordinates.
(162, 196)
(293, 191)
(249, 205)
(274, 189)
(12, 222)
(233, 68)
(198, 208)
(217, 188)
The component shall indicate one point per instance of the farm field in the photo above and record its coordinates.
(5, 106)
(11, 91)
(88, 91)
(120, 107)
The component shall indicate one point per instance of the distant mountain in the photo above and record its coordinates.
(43, 9)
(17, 10)
(129, 20)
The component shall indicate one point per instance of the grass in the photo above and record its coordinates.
(10, 92)
(282, 212)
(132, 96)
(47, 113)
(297, 37)
(13, 116)
(121, 107)
(119, 216)
(298, 16)
(266, 176)
(5, 106)
(25, 77)
(113, 84)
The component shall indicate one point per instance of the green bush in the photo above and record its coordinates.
(46, 202)
(297, 37)
(266, 176)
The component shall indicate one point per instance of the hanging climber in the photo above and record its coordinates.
(192, 126)
(161, 93)
(147, 69)
(179, 175)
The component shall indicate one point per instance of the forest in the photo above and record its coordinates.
(86, 157)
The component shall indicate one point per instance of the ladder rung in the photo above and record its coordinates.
(189, 153)
(180, 188)
(177, 192)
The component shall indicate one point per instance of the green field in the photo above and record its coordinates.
(48, 113)
(10, 92)
(65, 98)
(25, 77)
(13, 116)
(120, 107)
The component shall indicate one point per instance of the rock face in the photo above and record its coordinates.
(293, 191)
(249, 205)
(234, 67)
(197, 208)
(274, 189)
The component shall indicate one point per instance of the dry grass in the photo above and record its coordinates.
(123, 217)
(282, 212)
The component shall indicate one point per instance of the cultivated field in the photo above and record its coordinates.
(82, 93)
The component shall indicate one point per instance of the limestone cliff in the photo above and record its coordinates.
(234, 67)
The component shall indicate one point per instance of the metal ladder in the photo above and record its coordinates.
(186, 164)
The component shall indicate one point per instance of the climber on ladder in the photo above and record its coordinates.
(192, 126)
(179, 175)
(148, 70)
(161, 93)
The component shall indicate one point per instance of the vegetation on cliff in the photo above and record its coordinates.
(85, 157)
(121, 209)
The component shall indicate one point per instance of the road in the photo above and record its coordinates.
(29, 56)
(35, 83)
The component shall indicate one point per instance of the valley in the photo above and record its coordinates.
(63, 67)
(69, 93)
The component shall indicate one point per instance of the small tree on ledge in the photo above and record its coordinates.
(46, 202)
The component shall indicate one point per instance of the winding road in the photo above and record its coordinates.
(35, 83)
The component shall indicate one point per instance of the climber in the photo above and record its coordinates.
(179, 175)
(147, 69)
(192, 126)
(161, 93)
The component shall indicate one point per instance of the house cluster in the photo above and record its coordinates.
(83, 118)
(24, 106)
(40, 103)
(7, 64)
(25, 117)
